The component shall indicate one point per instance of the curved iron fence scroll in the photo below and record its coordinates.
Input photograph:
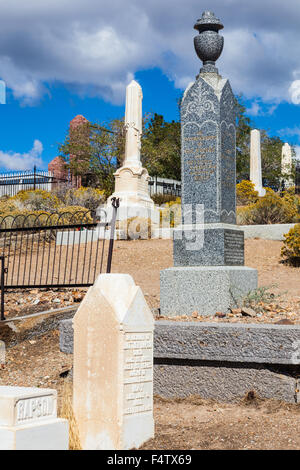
(40, 250)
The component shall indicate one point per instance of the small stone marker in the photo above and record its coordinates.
(255, 162)
(113, 365)
(28, 420)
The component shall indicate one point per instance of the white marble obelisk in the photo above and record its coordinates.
(131, 180)
(133, 125)
(286, 165)
(255, 162)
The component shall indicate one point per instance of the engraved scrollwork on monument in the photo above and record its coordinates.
(228, 104)
(199, 101)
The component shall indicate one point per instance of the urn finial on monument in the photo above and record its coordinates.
(209, 44)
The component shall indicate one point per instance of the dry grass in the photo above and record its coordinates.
(67, 412)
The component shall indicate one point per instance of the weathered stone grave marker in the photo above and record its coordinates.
(113, 365)
(28, 420)
(209, 273)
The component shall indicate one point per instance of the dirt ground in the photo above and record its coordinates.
(144, 259)
(188, 424)
(180, 424)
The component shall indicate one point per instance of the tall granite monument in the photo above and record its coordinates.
(208, 273)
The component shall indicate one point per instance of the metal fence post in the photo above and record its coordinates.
(2, 317)
(115, 204)
(34, 177)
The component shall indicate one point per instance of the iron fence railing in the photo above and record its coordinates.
(14, 181)
(54, 250)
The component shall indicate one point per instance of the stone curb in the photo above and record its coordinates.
(240, 343)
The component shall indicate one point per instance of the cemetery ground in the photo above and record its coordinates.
(191, 423)
(144, 259)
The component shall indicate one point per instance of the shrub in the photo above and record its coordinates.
(271, 209)
(160, 199)
(259, 298)
(290, 251)
(90, 198)
(36, 200)
(7, 206)
(170, 213)
(245, 193)
(242, 214)
(74, 214)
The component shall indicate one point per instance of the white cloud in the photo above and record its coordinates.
(297, 150)
(95, 46)
(254, 110)
(290, 131)
(22, 161)
(294, 92)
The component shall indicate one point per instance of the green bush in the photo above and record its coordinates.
(160, 199)
(242, 215)
(290, 251)
(271, 209)
(170, 213)
(245, 193)
(90, 198)
(35, 200)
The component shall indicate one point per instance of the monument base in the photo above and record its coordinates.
(204, 289)
(261, 191)
(131, 188)
(48, 435)
(211, 245)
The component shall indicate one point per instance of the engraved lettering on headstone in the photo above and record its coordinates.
(29, 409)
(138, 372)
(234, 247)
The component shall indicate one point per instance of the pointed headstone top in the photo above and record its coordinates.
(135, 84)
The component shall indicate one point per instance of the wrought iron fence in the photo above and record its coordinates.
(54, 250)
(164, 186)
(14, 181)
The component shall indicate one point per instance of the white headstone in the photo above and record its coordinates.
(28, 420)
(286, 164)
(255, 162)
(113, 365)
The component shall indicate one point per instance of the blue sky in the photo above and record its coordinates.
(60, 58)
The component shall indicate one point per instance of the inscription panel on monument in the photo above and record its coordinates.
(200, 165)
(234, 247)
(34, 409)
(199, 156)
(138, 372)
